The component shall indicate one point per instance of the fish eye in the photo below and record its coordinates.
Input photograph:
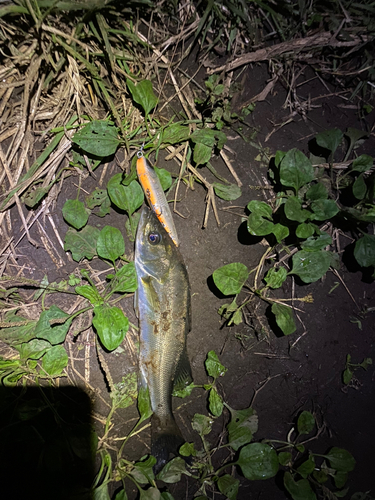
(154, 238)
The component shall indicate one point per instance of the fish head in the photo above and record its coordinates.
(155, 251)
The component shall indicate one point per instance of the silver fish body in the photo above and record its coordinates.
(163, 307)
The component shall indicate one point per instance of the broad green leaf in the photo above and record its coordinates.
(276, 277)
(295, 170)
(165, 178)
(347, 376)
(209, 137)
(101, 492)
(55, 360)
(56, 332)
(243, 424)
(354, 135)
(230, 278)
(175, 133)
(166, 496)
(171, 472)
(33, 349)
(96, 198)
(311, 266)
(228, 486)
(227, 192)
(213, 366)
(258, 461)
(280, 232)
(90, 293)
(294, 211)
(340, 479)
(279, 157)
(305, 422)
(364, 250)
(320, 476)
(258, 226)
(150, 494)
(187, 450)
(128, 198)
(202, 153)
(82, 243)
(15, 335)
(299, 490)
(359, 187)
(285, 458)
(75, 213)
(313, 244)
(110, 244)
(144, 404)
(111, 325)
(98, 138)
(184, 392)
(317, 192)
(362, 164)
(330, 139)
(261, 208)
(125, 392)
(34, 195)
(143, 94)
(202, 424)
(121, 495)
(366, 363)
(284, 318)
(125, 280)
(340, 459)
(215, 403)
(307, 467)
(143, 472)
(305, 230)
(324, 209)
(131, 225)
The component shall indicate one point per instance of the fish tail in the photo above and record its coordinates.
(166, 439)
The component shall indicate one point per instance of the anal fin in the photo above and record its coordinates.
(183, 376)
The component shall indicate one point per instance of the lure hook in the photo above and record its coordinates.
(140, 152)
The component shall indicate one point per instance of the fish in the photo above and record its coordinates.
(155, 196)
(163, 307)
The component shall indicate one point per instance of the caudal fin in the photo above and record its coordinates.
(166, 439)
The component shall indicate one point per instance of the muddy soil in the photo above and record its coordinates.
(289, 374)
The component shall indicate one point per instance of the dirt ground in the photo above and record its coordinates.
(299, 372)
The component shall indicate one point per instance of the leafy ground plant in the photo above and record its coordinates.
(314, 200)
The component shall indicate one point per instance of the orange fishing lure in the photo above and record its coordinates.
(155, 195)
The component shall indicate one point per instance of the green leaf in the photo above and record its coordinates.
(175, 134)
(330, 139)
(359, 187)
(261, 208)
(311, 266)
(320, 476)
(227, 192)
(111, 325)
(166, 496)
(143, 95)
(317, 192)
(364, 250)
(305, 422)
(15, 335)
(125, 280)
(55, 360)
(354, 135)
(121, 495)
(187, 450)
(131, 225)
(33, 349)
(299, 490)
(202, 154)
(258, 226)
(128, 198)
(347, 376)
(362, 164)
(340, 459)
(314, 244)
(258, 461)
(215, 403)
(34, 195)
(276, 277)
(230, 278)
(98, 138)
(125, 392)
(324, 209)
(165, 178)
(209, 137)
(280, 232)
(294, 211)
(90, 293)
(81, 243)
(243, 424)
(296, 170)
(228, 486)
(213, 366)
(279, 157)
(285, 458)
(307, 467)
(144, 404)
(305, 230)
(202, 424)
(110, 244)
(171, 472)
(96, 198)
(75, 213)
(284, 318)
(340, 479)
(143, 472)
(55, 333)
(149, 494)
(185, 392)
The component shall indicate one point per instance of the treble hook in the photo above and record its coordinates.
(140, 152)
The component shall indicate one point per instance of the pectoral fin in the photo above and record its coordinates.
(183, 376)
